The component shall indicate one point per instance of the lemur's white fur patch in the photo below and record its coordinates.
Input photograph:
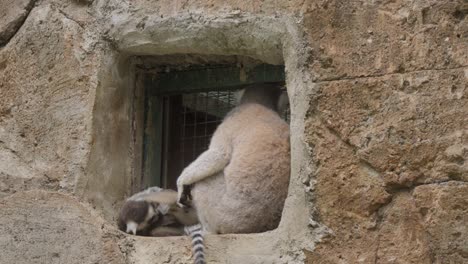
(131, 227)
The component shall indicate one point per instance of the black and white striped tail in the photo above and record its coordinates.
(198, 247)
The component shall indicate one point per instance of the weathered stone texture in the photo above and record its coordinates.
(13, 14)
(405, 128)
(369, 38)
(402, 237)
(45, 103)
(44, 227)
(373, 140)
(169, 8)
(444, 212)
(383, 83)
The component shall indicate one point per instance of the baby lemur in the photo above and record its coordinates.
(240, 183)
(154, 212)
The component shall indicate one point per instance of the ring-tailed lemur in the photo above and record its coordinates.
(240, 183)
(154, 212)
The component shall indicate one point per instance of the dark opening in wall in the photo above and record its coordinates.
(179, 106)
(188, 122)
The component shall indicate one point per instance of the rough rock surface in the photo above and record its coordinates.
(13, 14)
(379, 125)
(361, 38)
(387, 128)
(45, 103)
(444, 217)
(47, 227)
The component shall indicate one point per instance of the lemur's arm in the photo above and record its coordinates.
(209, 163)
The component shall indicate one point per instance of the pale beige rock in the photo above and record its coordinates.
(13, 14)
(45, 102)
(47, 227)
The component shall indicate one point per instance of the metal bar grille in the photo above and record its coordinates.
(202, 113)
(186, 119)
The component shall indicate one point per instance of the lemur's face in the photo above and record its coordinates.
(136, 216)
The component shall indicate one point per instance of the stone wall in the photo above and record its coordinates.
(379, 126)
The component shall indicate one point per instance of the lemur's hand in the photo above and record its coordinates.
(183, 193)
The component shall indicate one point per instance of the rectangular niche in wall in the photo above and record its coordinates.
(177, 109)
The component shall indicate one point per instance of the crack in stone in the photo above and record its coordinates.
(376, 257)
(15, 153)
(389, 188)
(20, 22)
(354, 148)
(338, 79)
(425, 231)
(3, 144)
(378, 224)
(337, 135)
(369, 166)
(69, 18)
(409, 189)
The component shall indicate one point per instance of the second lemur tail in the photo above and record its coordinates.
(198, 247)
